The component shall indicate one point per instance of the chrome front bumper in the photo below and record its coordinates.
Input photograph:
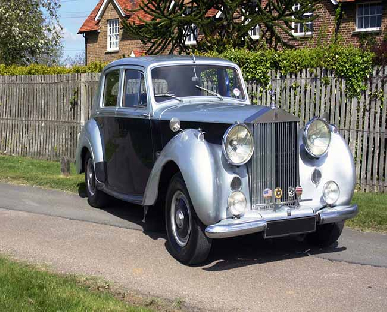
(257, 223)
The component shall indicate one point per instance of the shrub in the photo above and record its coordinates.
(353, 64)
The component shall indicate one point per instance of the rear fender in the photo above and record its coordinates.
(90, 138)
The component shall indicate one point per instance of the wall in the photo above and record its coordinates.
(96, 42)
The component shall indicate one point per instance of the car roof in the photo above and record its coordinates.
(146, 61)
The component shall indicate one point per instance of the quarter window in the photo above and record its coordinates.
(302, 29)
(113, 35)
(112, 80)
(369, 16)
(135, 90)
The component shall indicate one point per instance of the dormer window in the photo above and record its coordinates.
(254, 32)
(369, 16)
(113, 38)
(191, 34)
(302, 29)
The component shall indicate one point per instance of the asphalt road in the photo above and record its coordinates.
(241, 274)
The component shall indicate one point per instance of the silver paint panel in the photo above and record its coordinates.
(90, 138)
(337, 165)
(215, 112)
(206, 172)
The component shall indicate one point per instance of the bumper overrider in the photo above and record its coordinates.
(281, 223)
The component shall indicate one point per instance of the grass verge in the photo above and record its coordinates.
(20, 170)
(24, 288)
(372, 212)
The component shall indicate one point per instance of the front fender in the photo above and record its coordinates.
(337, 165)
(90, 138)
(206, 173)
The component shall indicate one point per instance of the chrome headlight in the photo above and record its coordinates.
(237, 203)
(317, 137)
(331, 192)
(238, 145)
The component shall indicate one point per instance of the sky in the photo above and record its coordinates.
(72, 15)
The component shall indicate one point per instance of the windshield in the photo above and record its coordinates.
(177, 82)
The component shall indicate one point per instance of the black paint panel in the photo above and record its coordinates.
(100, 171)
(213, 132)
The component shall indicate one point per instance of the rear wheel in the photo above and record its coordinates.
(96, 197)
(187, 241)
(326, 234)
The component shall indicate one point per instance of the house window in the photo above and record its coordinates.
(191, 34)
(113, 38)
(369, 16)
(302, 29)
(254, 32)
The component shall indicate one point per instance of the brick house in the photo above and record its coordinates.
(105, 40)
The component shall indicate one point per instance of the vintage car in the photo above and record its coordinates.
(179, 133)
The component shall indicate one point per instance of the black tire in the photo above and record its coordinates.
(95, 197)
(186, 239)
(326, 234)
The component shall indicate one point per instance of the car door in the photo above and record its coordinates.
(134, 141)
(106, 119)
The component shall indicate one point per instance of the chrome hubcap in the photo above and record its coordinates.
(180, 218)
(90, 177)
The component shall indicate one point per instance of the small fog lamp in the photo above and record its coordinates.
(237, 203)
(331, 192)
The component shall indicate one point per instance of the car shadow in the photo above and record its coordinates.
(253, 249)
(226, 254)
(153, 225)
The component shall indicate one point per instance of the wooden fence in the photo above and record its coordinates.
(41, 116)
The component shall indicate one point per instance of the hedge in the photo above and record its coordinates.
(351, 63)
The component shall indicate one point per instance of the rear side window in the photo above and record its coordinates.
(135, 90)
(112, 80)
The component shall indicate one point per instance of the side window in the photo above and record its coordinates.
(135, 90)
(112, 80)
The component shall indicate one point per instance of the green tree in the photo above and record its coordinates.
(170, 22)
(30, 31)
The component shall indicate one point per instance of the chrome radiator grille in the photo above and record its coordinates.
(274, 163)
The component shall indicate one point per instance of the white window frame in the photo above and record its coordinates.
(190, 35)
(113, 35)
(369, 28)
(257, 31)
(294, 24)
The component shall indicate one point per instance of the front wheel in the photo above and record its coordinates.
(96, 197)
(186, 239)
(326, 234)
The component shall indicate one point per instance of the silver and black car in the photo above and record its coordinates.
(179, 133)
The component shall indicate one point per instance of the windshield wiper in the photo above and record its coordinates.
(169, 95)
(210, 92)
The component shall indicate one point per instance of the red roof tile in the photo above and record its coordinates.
(91, 24)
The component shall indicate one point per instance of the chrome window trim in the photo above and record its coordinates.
(156, 105)
(102, 96)
(144, 72)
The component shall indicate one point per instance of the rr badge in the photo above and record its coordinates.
(278, 193)
(291, 192)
